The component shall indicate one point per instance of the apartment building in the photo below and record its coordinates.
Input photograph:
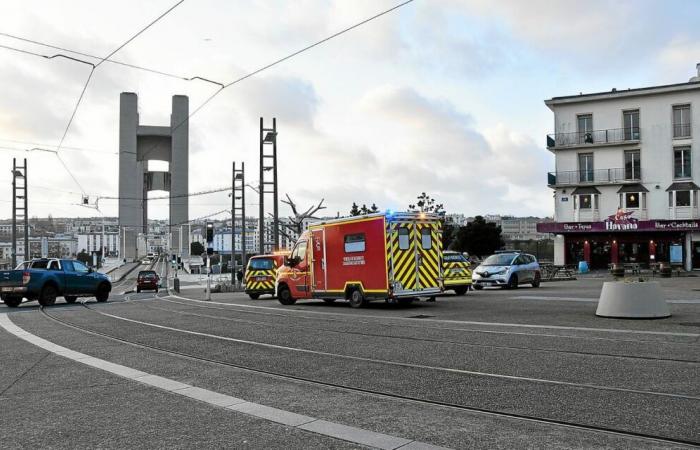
(627, 169)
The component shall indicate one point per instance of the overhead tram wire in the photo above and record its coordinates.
(111, 61)
(280, 60)
(87, 83)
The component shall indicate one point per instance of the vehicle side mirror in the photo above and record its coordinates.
(90, 270)
(292, 261)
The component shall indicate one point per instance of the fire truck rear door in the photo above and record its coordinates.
(319, 260)
(428, 249)
(402, 249)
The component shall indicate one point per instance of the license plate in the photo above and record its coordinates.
(456, 270)
(260, 278)
(7, 289)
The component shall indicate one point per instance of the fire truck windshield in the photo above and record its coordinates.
(261, 264)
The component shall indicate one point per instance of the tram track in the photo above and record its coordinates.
(387, 395)
(242, 309)
(410, 338)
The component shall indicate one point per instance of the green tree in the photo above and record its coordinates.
(448, 235)
(354, 210)
(364, 209)
(196, 248)
(425, 203)
(373, 208)
(479, 238)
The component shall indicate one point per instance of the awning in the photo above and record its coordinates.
(632, 188)
(683, 186)
(585, 190)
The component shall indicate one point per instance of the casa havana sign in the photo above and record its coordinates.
(620, 221)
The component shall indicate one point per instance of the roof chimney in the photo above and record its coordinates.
(696, 78)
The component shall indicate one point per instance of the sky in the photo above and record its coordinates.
(439, 96)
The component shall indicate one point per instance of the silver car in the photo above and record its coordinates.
(508, 270)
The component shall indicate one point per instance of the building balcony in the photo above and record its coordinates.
(593, 177)
(594, 138)
(683, 213)
(587, 215)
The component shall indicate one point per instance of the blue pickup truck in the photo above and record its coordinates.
(45, 279)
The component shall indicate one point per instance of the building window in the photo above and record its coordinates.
(630, 120)
(584, 126)
(682, 198)
(632, 200)
(355, 243)
(681, 121)
(681, 162)
(585, 167)
(632, 165)
(585, 201)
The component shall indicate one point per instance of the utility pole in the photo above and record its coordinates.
(19, 192)
(268, 163)
(237, 212)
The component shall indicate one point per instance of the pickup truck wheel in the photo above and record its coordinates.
(357, 299)
(102, 293)
(12, 302)
(48, 295)
(70, 298)
(284, 296)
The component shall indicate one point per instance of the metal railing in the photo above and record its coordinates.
(681, 130)
(596, 176)
(594, 137)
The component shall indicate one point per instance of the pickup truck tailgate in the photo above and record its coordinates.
(11, 278)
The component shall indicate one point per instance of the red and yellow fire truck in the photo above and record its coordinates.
(396, 257)
(260, 274)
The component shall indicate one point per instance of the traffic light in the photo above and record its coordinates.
(210, 232)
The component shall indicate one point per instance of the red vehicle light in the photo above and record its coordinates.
(26, 276)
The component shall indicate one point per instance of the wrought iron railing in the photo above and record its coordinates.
(681, 130)
(597, 176)
(594, 137)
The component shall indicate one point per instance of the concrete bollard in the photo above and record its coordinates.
(632, 300)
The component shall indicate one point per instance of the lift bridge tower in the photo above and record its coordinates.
(139, 144)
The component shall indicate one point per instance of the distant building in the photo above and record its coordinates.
(92, 242)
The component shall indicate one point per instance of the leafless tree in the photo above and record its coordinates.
(296, 227)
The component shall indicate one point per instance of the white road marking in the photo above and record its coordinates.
(335, 430)
(588, 299)
(464, 322)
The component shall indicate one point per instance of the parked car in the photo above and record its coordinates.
(45, 279)
(507, 270)
(147, 280)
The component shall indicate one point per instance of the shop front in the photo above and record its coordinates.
(625, 240)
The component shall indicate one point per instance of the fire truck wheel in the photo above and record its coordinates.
(461, 290)
(357, 299)
(405, 301)
(329, 300)
(254, 296)
(285, 296)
